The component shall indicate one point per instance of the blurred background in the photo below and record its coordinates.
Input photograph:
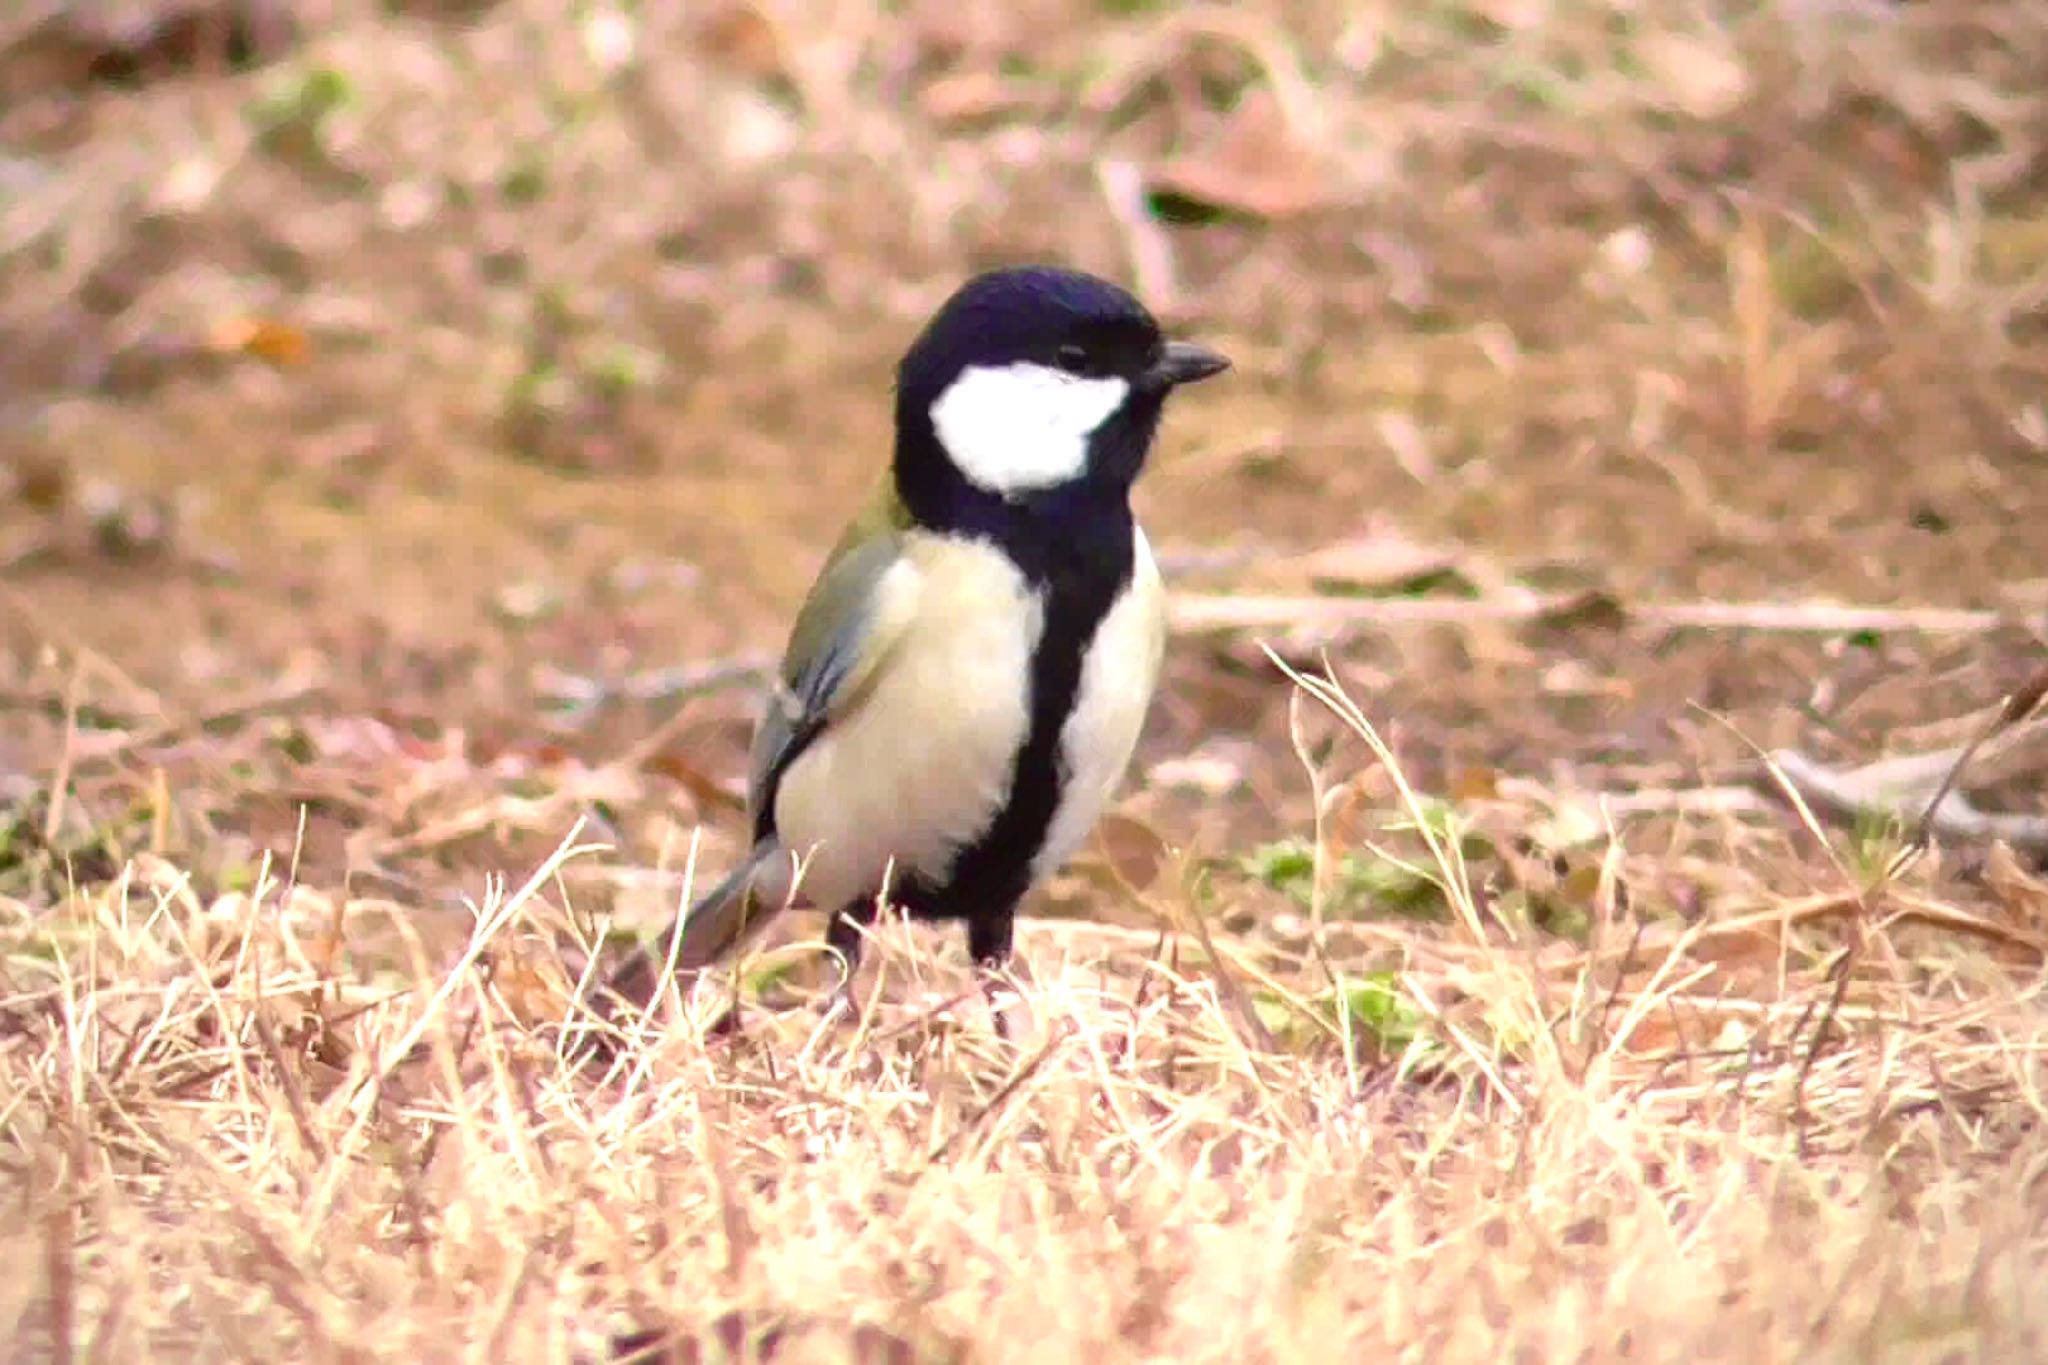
(417, 418)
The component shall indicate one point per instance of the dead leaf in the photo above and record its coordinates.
(1698, 75)
(353, 738)
(970, 97)
(41, 478)
(1679, 1028)
(1474, 784)
(2027, 596)
(1255, 165)
(1577, 678)
(530, 987)
(707, 791)
(1134, 850)
(1371, 563)
(79, 45)
(1217, 768)
(267, 339)
(2019, 892)
(962, 33)
(1592, 609)
(741, 36)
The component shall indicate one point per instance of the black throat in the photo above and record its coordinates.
(1075, 546)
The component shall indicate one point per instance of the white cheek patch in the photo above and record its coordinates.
(1015, 428)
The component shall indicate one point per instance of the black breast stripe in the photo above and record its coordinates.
(1080, 579)
(1075, 544)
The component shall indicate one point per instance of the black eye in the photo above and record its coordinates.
(1073, 359)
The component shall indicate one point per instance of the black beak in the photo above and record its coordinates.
(1185, 362)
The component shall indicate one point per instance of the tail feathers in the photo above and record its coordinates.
(721, 920)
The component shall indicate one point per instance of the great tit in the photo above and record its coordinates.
(967, 679)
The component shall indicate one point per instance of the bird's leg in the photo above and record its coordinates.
(991, 939)
(844, 937)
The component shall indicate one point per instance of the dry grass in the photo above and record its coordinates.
(1625, 391)
(237, 1132)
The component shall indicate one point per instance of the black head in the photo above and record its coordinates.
(1033, 386)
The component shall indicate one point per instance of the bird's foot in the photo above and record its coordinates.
(1007, 1005)
(844, 1007)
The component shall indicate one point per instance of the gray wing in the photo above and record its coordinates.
(848, 626)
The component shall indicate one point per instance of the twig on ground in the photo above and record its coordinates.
(1714, 799)
(1926, 791)
(576, 693)
(376, 848)
(1911, 788)
(1200, 613)
(284, 696)
(2005, 724)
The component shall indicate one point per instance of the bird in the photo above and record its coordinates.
(965, 684)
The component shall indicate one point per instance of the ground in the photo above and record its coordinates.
(418, 421)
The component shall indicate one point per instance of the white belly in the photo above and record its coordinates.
(1117, 681)
(920, 766)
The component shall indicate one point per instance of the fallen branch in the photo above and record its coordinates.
(1200, 613)
(576, 693)
(1899, 905)
(2008, 731)
(1925, 791)
(1710, 800)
